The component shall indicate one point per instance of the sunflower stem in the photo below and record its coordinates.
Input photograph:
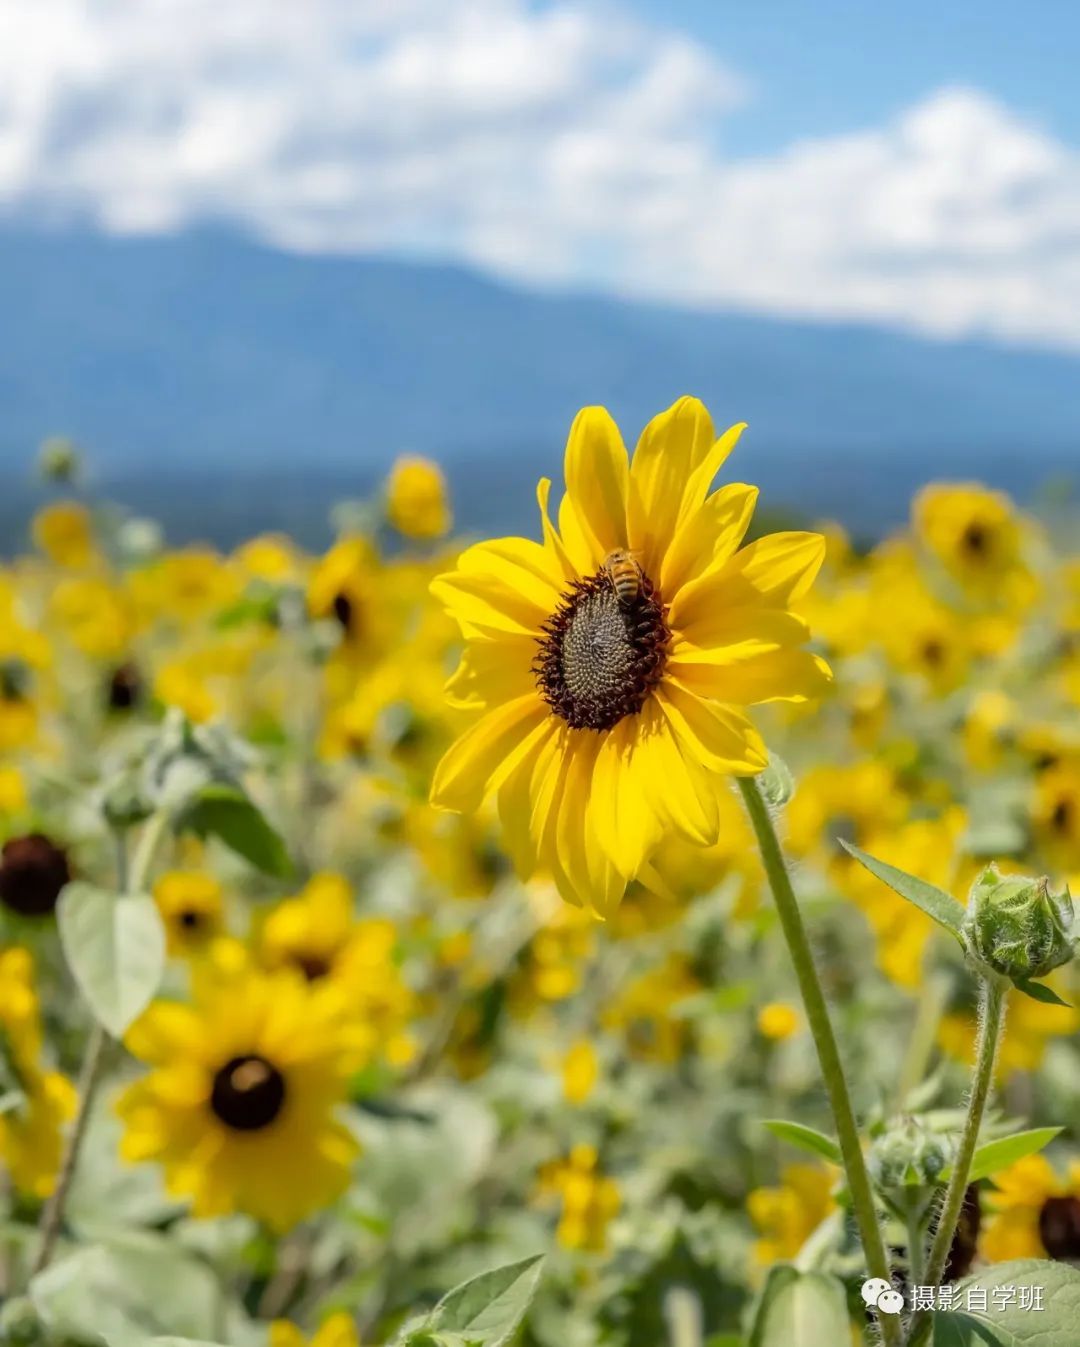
(991, 1028)
(817, 1015)
(129, 879)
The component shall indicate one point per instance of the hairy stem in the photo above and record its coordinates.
(817, 1015)
(991, 1027)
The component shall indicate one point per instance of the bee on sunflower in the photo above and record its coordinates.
(609, 667)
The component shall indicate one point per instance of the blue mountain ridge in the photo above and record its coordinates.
(256, 384)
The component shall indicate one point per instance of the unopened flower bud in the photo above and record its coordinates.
(907, 1154)
(59, 460)
(1017, 927)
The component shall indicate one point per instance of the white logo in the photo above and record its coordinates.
(879, 1295)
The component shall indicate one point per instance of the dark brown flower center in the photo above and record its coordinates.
(1061, 820)
(1059, 1228)
(125, 688)
(32, 873)
(313, 966)
(248, 1093)
(976, 540)
(343, 611)
(965, 1241)
(190, 919)
(601, 657)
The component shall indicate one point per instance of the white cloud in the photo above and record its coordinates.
(561, 143)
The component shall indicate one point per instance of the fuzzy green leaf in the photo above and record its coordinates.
(1004, 1151)
(1039, 991)
(928, 898)
(490, 1308)
(115, 948)
(800, 1309)
(226, 812)
(1054, 1325)
(806, 1139)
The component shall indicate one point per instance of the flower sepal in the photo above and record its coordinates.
(1016, 928)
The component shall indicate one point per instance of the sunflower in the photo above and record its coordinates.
(588, 1198)
(609, 666)
(972, 531)
(416, 500)
(42, 1100)
(1034, 1213)
(787, 1215)
(240, 1106)
(192, 907)
(338, 1331)
(317, 934)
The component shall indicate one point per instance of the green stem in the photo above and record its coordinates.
(817, 1015)
(991, 1027)
(915, 1250)
(90, 1073)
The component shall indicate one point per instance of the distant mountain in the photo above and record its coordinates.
(245, 386)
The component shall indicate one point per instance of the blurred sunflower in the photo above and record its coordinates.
(65, 534)
(192, 907)
(338, 1331)
(787, 1215)
(416, 502)
(589, 1199)
(42, 1100)
(972, 531)
(1033, 1213)
(240, 1106)
(610, 666)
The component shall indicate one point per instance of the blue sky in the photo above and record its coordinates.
(821, 67)
(914, 166)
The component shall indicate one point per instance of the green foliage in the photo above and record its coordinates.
(946, 910)
(1053, 1326)
(800, 1309)
(486, 1311)
(115, 948)
(226, 812)
(1005, 1151)
(806, 1139)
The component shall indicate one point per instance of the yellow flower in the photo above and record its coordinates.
(344, 586)
(416, 502)
(789, 1214)
(646, 1011)
(1056, 814)
(972, 531)
(338, 1331)
(192, 908)
(13, 796)
(96, 618)
(833, 804)
(64, 533)
(180, 683)
(589, 1199)
(240, 1105)
(609, 696)
(580, 1072)
(268, 557)
(1032, 1213)
(30, 1132)
(317, 934)
(184, 586)
(778, 1020)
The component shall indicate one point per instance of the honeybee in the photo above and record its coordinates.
(625, 576)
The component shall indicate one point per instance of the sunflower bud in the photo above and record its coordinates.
(59, 460)
(1017, 927)
(906, 1155)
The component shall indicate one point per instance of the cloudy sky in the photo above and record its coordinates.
(916, 166)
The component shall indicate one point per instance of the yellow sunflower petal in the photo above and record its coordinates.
(778, 676)
(626, 826)
(718, 736)
(729, 635)
(516, 796)
(597, 472)
(529, 568)
(775, 572)
(708, 536)
(492, 672)
(671, 446)
(487, 605)
(551, 538)
(701, 479)
(464, 775)
(678, 787)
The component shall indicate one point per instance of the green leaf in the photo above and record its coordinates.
(1039, 991)
(1004, 1151)
(490, 1308)
(806, 1139)
(928, 898)
(800, 1309)
(115, 948)
(1010, 1326)
(226, 812)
